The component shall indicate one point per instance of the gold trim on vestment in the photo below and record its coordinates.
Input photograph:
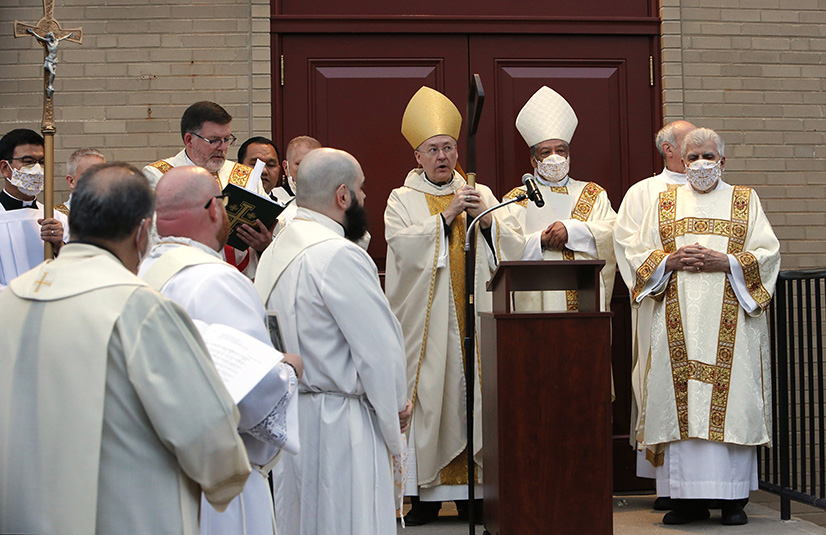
(239, 175)
(516, 192)
(455, 473)
(645, 271)
(563, 190)
(162, 166)
(754, 283)
(585, 204)
(62, 208)
(427, 314)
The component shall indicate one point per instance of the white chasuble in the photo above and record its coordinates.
(326, 292)
(584, 209)
(425, 285)
(708, 375)
(210, 290)
(638, 199)
(116, 420)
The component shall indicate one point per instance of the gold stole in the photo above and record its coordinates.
(683, 369)
(455, 473)
(581, 212)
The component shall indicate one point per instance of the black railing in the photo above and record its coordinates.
(795, 468)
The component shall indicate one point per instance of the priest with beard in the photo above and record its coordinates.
(352, 403)
(425, 223)
(186, 266)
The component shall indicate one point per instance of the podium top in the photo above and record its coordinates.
(546, 275)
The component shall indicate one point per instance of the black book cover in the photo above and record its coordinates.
(245, 207)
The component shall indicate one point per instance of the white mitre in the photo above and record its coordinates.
(546, 116)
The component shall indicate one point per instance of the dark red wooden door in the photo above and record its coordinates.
(350, 90)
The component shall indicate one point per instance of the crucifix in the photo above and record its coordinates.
(48, 33)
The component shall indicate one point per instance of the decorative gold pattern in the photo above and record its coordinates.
(695, 225)
(751, 274)
(239, 175)
(585, 203)
(161, 166)
(563, 190)
(725, 357)
(646, 269)
(427, 315)
(516, 192)
(455, 473)
(62, 208)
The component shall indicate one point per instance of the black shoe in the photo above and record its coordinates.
(664, 503)
(733, 513)
(718, 504)
(422, 512)
(686, 511)
(462, 508)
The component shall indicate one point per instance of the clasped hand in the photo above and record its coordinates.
(467, 199)
(696, 258)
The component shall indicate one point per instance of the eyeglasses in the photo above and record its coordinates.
(28, 160)
(433, 151)
(224, 199)
(229, 140)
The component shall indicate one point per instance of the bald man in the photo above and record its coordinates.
(637, 200)
(333, 311)
(186, 266)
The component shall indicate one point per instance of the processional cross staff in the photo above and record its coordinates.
(48, 33)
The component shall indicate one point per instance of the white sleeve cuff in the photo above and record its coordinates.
(580, 238)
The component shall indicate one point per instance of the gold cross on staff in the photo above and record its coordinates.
(48, 33)
(241, 215)
(41, 282)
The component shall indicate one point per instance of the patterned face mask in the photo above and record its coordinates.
(703, 174)
(29, 180)
(554, 168)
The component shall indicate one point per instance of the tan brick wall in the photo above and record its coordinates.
(140, 65)
(755, 71)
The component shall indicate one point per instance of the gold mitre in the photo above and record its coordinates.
(546, 116)
(430, 113)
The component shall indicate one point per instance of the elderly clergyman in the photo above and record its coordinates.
(577, 219)
(425, 223)
(638, 199)
(186, 267)
(706, 254)
(352, 404)
(112, 416)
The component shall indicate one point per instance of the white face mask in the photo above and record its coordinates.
(554, 168)
(290, 179)
(29, 180)
(141, 253)
(703, 174)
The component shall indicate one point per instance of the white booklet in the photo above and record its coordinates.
(241, 360)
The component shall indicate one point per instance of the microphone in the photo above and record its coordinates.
(533, 191)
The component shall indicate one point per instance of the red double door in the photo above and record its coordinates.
(350, 91)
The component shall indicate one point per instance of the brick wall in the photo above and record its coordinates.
(140, 65)
(755, 71)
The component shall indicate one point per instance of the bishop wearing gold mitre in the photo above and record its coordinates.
(425, 224)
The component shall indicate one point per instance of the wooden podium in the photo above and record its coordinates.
(546, 405)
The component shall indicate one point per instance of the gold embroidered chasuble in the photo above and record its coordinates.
(708, 374)
(429, 300)
(581, 201)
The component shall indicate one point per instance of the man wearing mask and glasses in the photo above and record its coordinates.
(706, 254)
(207, 136)
(22, 226)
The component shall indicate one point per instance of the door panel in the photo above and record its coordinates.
(350, 92)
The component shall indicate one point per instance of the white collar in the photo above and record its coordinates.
(318, 217)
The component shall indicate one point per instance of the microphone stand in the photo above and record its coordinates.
(470, 354)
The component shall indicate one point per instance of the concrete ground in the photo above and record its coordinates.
(633, 516)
